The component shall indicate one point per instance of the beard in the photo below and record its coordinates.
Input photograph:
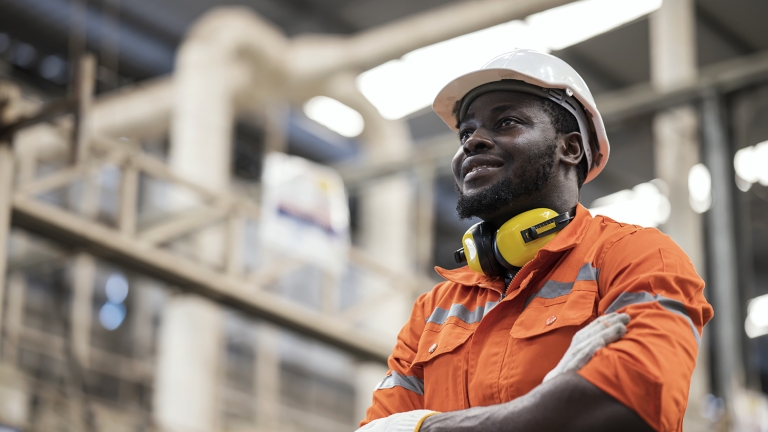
(531, 179)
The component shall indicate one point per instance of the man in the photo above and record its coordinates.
(506, 344)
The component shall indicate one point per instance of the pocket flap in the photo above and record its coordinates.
(539, 318)
(446, 339)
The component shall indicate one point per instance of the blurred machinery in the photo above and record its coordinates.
(139, 293)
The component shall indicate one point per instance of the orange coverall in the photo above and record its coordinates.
(468, 344)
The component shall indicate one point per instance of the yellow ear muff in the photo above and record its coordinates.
(518, 240)
(513, 244)
(470, 252)
(478, 251)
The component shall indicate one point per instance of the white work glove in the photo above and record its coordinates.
(400, 422)
(586, 342)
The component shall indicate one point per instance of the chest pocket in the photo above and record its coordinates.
(442, 355)
(540, 337)
(546, 315)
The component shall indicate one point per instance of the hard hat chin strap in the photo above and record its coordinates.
(558, 96)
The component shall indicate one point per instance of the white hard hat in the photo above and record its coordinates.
(537, 73)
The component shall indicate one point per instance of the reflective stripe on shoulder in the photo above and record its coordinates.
(588, 273)
(674, 306)
(411, 383)
(553, 289)
(440, 315)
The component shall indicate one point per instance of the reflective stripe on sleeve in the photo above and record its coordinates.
(674, 306)
(411, 383)
(440, 315)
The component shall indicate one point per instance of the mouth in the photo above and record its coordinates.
(479, 166)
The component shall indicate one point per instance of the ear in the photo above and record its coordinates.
(572, 150)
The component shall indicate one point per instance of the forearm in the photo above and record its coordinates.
(568, 402)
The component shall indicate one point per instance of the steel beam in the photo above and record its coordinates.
(642, 99)
(72, 232)
(6, 191)
(615, 106)
(723, 285)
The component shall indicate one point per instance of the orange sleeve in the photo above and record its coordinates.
(403, 387)
(646, 275)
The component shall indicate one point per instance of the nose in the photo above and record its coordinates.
(478, 141)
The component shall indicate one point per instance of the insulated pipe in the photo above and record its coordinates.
(314, 58)
(143, 110)
(220, 56)
(386, 206)
(146, 109)
(225, 53)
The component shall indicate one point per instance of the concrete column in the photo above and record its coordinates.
(425, 219)
(268, 377)
(84, 274)
(186, 378)
(673, 44)
(387, 206)
(14, 319)
(6, 193)
(676, 150)
(203, 112)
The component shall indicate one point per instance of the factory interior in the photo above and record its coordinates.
(217, 216)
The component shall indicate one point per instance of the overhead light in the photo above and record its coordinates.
(699, 188)
(750, 163)
(643, 205)
(335, 116)
(403, 86)
(53, 68)
(116, 288)
(111, 315)
(24, 55)
(564, 26)
(5, 42)
(757, 317)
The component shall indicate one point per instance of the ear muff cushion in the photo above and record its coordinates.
(485, 251)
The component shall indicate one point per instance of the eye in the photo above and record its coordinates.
(464, 134)
(507, 121)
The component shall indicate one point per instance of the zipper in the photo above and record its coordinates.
(506, 288)
(514, 278)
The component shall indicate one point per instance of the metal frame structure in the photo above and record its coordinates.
(142, 251)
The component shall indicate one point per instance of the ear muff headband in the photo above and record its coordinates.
(558, 96)
(514, 244)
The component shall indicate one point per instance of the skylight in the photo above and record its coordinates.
(335, 116)
(400, 87)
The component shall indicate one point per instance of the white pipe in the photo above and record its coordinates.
(142, 110)
(228, 49)
(145, 109)
(312, 57)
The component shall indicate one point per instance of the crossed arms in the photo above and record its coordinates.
(638, 383)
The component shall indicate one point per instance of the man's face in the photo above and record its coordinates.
(507, 155)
